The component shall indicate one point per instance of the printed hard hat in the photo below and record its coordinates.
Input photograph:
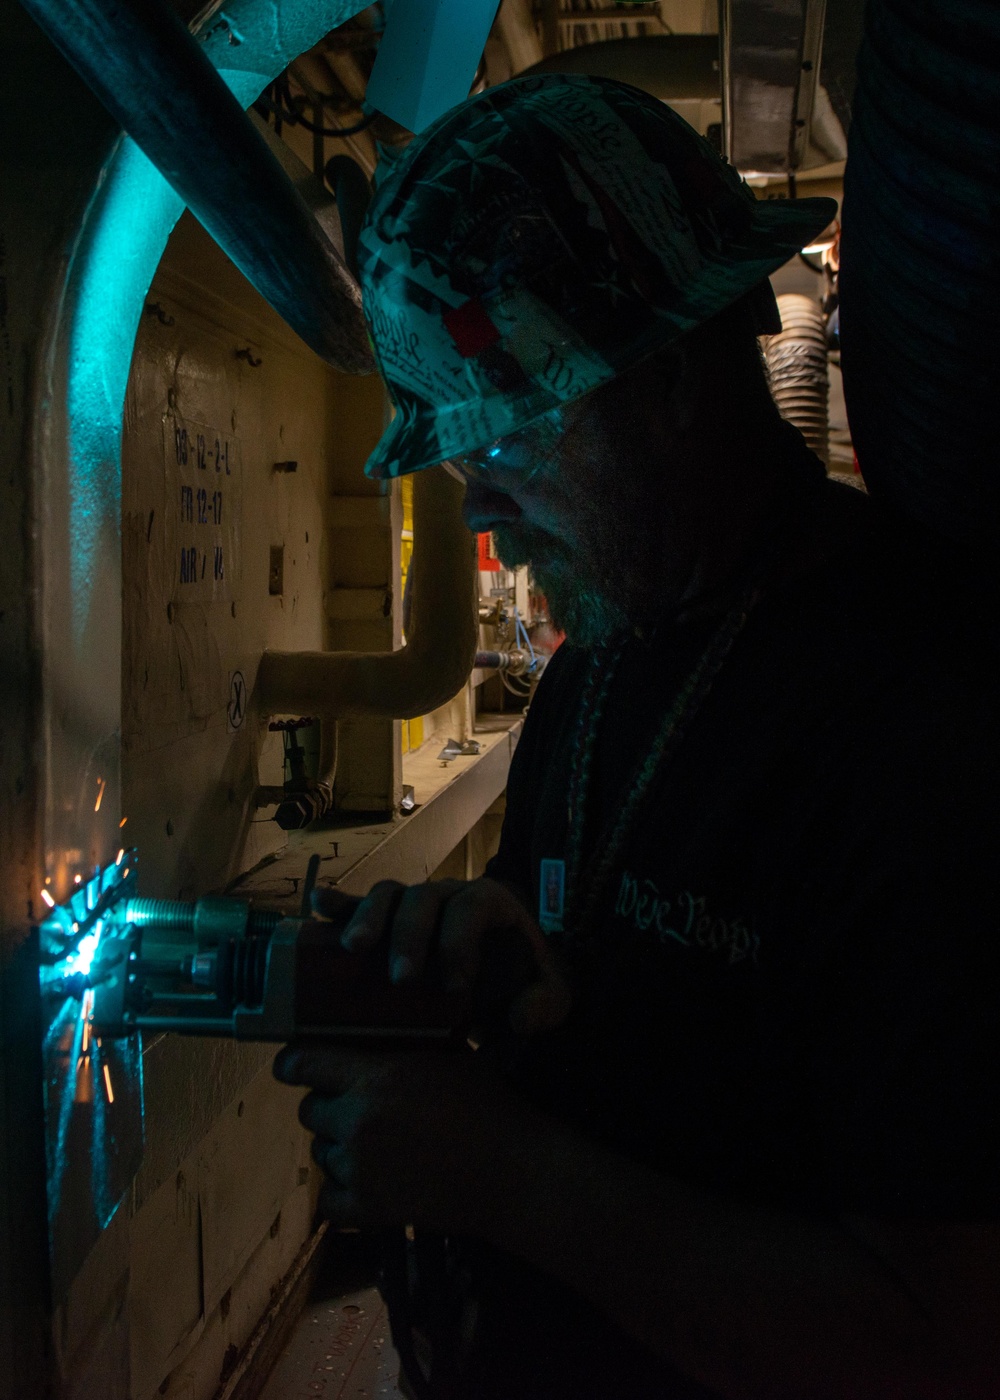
(539, 239)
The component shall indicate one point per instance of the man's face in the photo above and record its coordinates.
(571, 494)
(523, 490)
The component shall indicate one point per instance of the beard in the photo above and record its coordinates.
(584, 602)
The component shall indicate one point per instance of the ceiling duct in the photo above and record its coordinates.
(771, 51)
(672, 67)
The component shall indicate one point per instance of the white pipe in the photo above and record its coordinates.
(441, 644)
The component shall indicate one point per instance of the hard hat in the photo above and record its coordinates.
(539, 239)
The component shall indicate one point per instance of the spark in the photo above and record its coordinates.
(75, 928)
(48, 899)
(100, 794)
(107, 1084)
(86, 1036)
(122, 823)
(48, 879)
(84, 1089)
(120, 856)
(125, 873)
(77, 879)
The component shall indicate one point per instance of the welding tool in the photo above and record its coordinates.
(224, 967)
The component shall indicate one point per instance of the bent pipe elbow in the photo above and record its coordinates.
(440, 649)
(151, 74)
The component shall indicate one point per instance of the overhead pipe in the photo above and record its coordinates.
(150, 73)
(920, 275)
(440, 642)
(352, 191)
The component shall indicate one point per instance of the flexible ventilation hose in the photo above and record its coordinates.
(798, 370)
(920, 264)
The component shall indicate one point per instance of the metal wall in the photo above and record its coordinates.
(224, 1196)
(49, 160)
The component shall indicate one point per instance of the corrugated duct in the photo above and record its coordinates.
(797, 368)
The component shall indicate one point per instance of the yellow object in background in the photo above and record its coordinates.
(413, 729)
(413, 734)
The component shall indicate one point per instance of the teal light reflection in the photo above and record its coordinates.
(124, 233)
(121, 240)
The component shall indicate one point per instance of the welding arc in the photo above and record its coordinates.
(150, 73)
(107, 900)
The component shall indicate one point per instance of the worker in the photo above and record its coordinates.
(741, 1145)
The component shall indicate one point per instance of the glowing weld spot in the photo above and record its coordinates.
(77, 879)
(82, 960)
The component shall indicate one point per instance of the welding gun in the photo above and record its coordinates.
(224, 967)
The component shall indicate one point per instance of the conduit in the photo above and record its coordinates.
(920, 272)
(798, 370)
(441, 642)
(150, 73)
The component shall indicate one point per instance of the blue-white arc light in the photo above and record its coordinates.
(94, 1090)
(121, 239)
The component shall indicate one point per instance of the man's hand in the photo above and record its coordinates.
(414, 1138)
(422, 1137)
(473, 937)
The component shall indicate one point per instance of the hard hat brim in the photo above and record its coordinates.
(779, 230)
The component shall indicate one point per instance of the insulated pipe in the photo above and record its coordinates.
(798, 370)
(352, 191)
(920, 273)
(441, 642)
(515, 25)
(153, 77)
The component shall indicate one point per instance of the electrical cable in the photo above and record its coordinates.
(521, 631)
(289, 113)
(318, 130)
(285, 92)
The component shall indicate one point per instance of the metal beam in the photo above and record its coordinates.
(157, 82)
